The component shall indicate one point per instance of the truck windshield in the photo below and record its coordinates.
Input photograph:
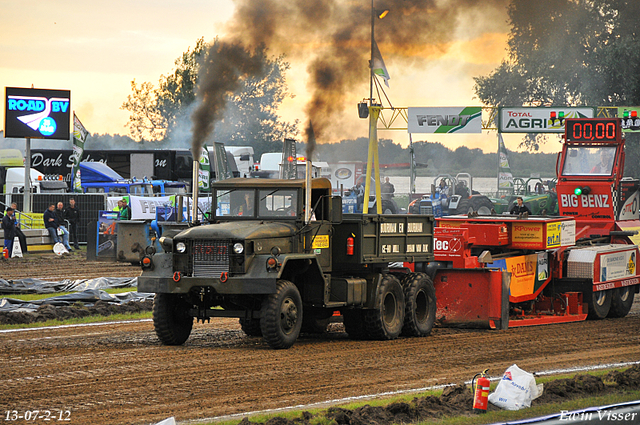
(235, 203)
(141, 189)
(278, 203)
(589, 160)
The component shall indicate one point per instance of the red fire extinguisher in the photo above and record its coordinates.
(349, 246)
(480, 388)
(5, 253)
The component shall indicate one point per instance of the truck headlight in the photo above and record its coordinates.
(238, 248)
(181, 247)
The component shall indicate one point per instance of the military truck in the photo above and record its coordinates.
(280, 271)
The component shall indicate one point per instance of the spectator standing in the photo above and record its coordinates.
(519, 207)
(387, 188)
(125, 210)
(52, 225)
(8, 226)
(17, 231)
(72, 215)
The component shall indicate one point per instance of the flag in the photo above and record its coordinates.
(204, 170)
(79, 137)
(505, 178)
(378, 64)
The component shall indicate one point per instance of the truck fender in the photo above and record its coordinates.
(301, 265)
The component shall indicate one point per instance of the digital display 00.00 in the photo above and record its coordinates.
(592, 130)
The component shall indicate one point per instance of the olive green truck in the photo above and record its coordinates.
(281, 271)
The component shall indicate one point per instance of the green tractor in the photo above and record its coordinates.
(537, 194)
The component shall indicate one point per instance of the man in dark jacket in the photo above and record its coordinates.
(17, 231)
(520, 207)
(51, 223)
(8, 225)
(72, 214)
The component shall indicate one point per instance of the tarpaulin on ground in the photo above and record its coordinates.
(87, 298)
(39, 286)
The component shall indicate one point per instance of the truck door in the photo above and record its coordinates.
(318, 240)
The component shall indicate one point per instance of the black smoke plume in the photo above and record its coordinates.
(224, 68)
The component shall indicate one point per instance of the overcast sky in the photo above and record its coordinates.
(96, 48)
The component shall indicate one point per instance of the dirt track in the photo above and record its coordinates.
(119, 374)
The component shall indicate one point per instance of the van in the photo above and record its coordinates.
(243, 156)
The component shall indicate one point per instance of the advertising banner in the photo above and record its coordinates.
(445, 120)
(538, 119)
(37, 113)
(107, 235)
(144, 207)
(618, 265)
(505, 178)
(528, 274)
(79, 137)
(630, 119)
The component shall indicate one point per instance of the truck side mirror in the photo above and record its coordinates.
(336, 209)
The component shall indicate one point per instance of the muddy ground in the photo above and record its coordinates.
(120, 374)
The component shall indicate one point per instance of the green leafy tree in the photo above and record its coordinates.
(162, 114)
(568, 53)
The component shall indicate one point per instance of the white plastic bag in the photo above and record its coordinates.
(515, 390)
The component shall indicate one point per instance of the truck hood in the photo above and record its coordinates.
(240, 230)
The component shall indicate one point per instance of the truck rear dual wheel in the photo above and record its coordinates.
(621, 301)
(420, 304)
(281, 318)
(171, 319)
(385, 321)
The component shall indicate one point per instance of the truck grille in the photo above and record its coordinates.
(426, 209)
(210, 257)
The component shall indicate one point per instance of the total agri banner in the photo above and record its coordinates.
(144, 207)
(464, 119)
(538, 119)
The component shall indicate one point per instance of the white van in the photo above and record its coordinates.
(244, 158)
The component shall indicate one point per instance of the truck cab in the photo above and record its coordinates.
(263, 260)
(591, 187)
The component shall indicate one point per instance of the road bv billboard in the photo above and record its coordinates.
(538, 119)
(445, 120)
(37, 113)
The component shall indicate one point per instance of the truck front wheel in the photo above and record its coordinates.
(281, 317)
(385, 321)
(420, 304)
(621, 302)
(171, 319)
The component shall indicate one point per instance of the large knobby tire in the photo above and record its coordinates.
(420, 304)
(171, 318)
(353, 321)
(464, 207)
(251, 327)
(599, 304)
(386, 319)
(481, 204)
(281, 319)
(621, 301)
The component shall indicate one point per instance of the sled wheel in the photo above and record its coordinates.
(251, 327)
(316, 320)
(599, 304)
(420, 304)
(386, 319)
(353, 323)
(171, 319)
(621, 301)
(282, 316)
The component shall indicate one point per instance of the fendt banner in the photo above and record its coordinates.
(538, 119)
(37, 113)
(445, 120)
